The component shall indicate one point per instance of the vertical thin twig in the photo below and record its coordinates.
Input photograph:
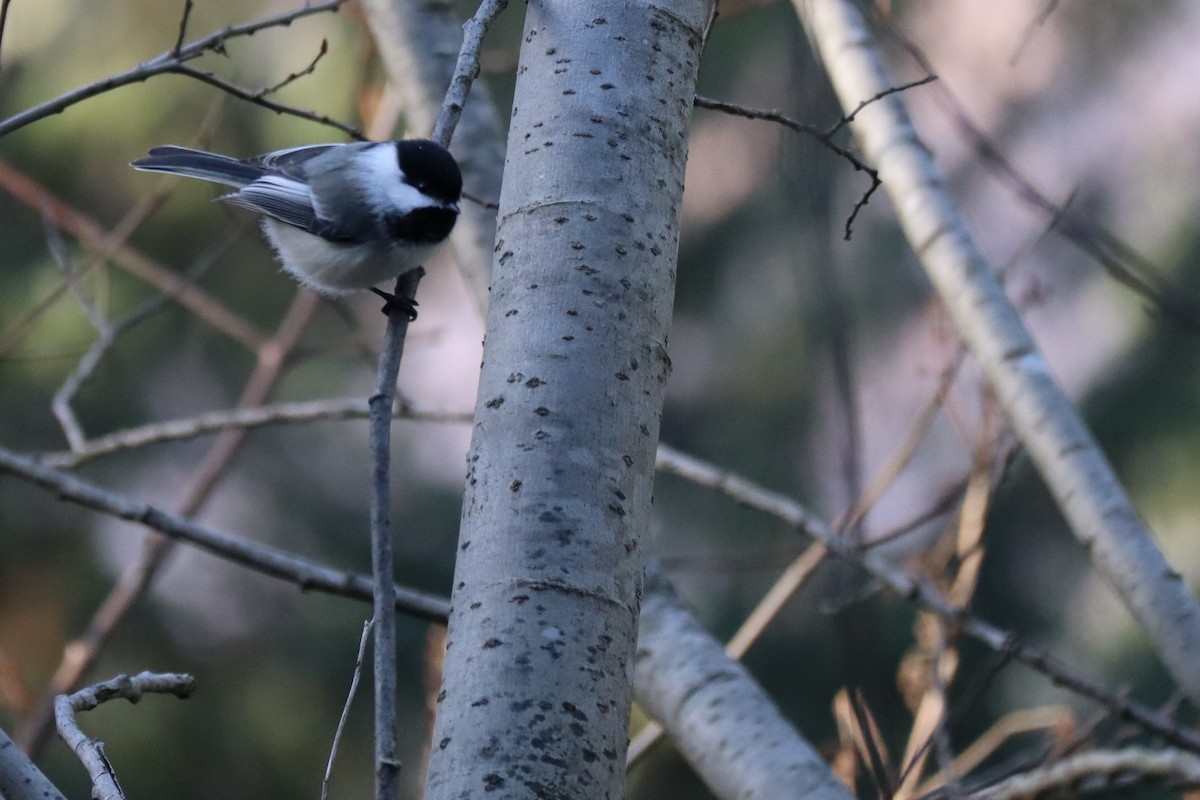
(183, 25)
(466, 70)
(341, 726)
(387, 763)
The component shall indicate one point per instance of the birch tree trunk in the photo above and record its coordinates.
(536, 689)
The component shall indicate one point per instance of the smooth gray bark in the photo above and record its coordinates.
(1060, 445)
(536, 689)
(20, 779)
(724, 724)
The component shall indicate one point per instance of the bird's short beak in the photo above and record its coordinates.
(453, 207)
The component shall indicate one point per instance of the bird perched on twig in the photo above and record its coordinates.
(340, 216)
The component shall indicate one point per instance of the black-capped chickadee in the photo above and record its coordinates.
(340, 216)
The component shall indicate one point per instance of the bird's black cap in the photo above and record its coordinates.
(430, 167)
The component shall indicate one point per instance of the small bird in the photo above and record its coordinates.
(340, 216)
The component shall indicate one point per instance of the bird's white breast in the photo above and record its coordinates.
(334, 268)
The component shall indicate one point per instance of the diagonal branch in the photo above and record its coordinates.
(726, 726)
(1121, 261)
(1082, 481)
(261, 558)
(112, 244)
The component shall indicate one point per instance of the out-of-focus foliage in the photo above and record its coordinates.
(1097, 104)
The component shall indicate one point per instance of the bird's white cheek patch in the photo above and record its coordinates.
(386, 188)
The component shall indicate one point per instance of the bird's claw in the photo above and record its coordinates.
(394, 302)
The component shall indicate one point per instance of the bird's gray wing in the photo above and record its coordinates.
(293, 161)
(280, 197)
(305, 187)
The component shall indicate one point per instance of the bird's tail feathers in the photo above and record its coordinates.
(199, 164)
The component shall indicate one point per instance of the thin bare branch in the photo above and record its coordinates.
(170, 61)
(240, 418)
(944, 504)
(355, 677)
(846, 120)
(825, 137)
(381, 404)
(264, 559)
(491, 205)
(91, 751)
(1108, 768)
(259, 97)
(295, 76)
(183, 25)
(467, 69)
(811, 130)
